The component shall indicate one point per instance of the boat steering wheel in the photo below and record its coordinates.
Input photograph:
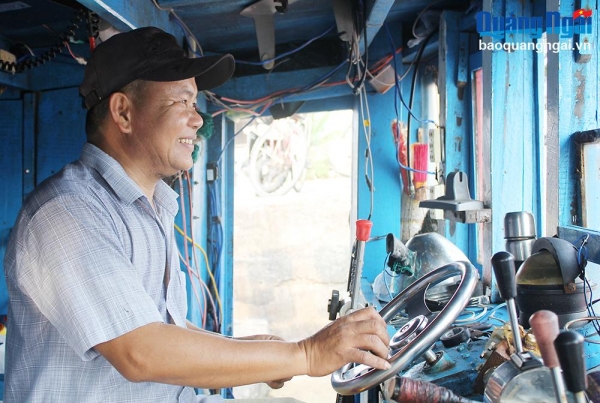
(418, 335)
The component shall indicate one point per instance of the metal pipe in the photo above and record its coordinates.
(514, 324)
(363, 232)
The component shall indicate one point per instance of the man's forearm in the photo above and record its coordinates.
(195, 357)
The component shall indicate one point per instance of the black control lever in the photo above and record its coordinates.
(503, 264)
(569, 347)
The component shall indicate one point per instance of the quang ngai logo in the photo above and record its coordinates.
(520, 32)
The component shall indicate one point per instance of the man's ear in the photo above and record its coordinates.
(120, 106)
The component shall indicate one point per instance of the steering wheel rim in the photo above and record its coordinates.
(352, 379)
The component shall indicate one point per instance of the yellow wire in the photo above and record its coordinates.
(212, 278)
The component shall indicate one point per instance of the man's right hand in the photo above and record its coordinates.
(359, 337)
(165, 353)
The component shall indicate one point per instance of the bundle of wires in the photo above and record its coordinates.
(206, 298)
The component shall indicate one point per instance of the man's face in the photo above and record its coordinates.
(164, 124)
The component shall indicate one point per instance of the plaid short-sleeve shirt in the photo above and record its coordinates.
(85, 264)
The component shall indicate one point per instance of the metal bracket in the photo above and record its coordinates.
(469, 216)
(262, 13)
(342, 9)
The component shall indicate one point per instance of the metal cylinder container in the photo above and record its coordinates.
(519, 233)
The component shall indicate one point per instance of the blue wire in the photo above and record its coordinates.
(286, 53)
(397, 85)
(234, 136)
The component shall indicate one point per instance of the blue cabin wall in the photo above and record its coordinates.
(573, 104)
(11, 155)
(511, 117)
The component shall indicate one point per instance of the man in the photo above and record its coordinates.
(97, 299)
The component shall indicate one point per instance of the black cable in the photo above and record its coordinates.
(20, 67)
(363, 26)
(582, 261)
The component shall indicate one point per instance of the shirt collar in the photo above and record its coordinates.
(125, 188)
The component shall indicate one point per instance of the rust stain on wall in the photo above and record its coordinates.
(579, 94)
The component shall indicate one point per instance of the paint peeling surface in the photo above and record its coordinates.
(579, 94)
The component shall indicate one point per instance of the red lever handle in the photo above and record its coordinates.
(545, 328)
(363, 230)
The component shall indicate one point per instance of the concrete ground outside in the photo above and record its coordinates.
(290, 252)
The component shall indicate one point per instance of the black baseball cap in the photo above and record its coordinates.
(150, 54)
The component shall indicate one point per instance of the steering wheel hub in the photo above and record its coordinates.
(407, 333)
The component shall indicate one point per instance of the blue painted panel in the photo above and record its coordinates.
(454, 115)
(15, 80)
(60, 131)
(29, 151)
(222, 198)
(511, 110)
(573, 103)
(11, 154)
(127, 15)
(576, 111)
(258, 86)
(47, 76)
(387, 196)
(377, 15)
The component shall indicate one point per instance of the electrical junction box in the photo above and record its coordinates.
(212, 172)
(384, 80)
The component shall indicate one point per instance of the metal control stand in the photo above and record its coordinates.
(355, 301)
(363, 233)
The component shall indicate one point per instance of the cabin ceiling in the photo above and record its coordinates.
(33, 26)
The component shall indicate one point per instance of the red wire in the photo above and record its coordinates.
(374, 70)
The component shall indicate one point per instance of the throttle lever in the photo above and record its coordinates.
(503, 264)
(545, 329)
(569, 347)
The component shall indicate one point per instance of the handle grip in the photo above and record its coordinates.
(545, 329)
(505, 272)
(363, 230)
(569, 347)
